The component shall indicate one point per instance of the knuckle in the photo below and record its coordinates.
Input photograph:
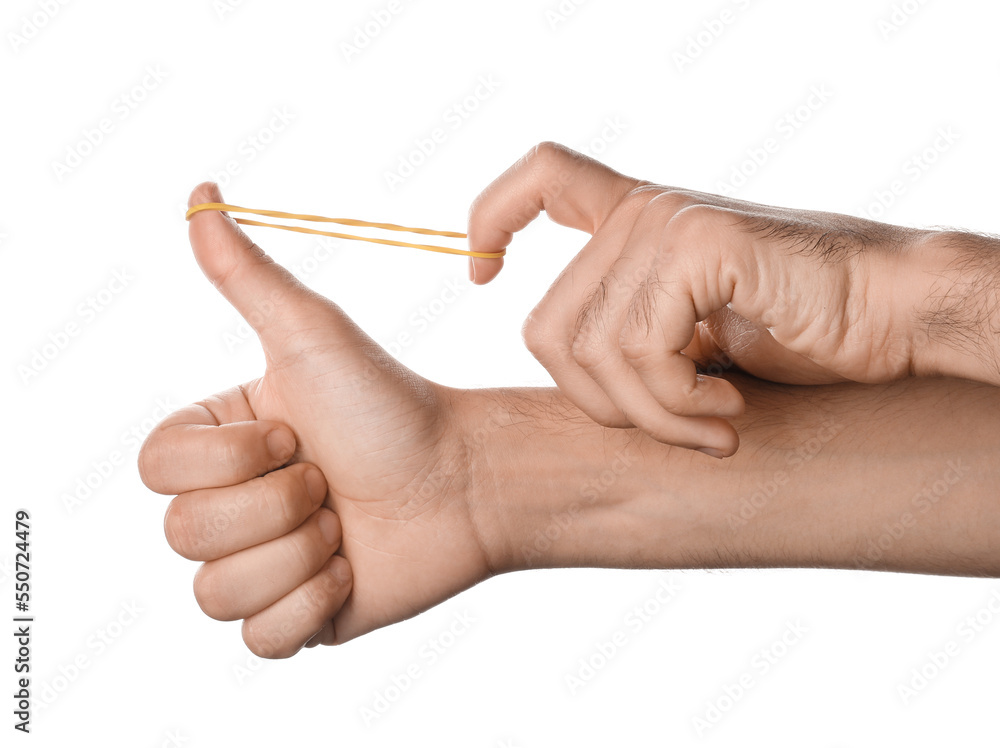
(318, 598)
(210, 592)
(587, 349)
(313, 600)
(182, 528)
(592, 345)
(234, 456)
(302, 547)
(537, 333)
(684, 399)
(671, 201)
(546, 153)
(654, 422)
(637, 348)
(603, 412)
(689, 389)
(611, 420)
(550, 164)
(636, 200)
(681, 402)
(150, 461)
(280, 498)
(268, 645)
(693, 222)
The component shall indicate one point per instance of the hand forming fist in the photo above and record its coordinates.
(673, 278)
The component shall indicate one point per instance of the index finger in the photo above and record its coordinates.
(573, 189)
(216, 442)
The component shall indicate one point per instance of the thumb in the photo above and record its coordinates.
(272, 301)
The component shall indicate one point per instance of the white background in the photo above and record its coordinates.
(895, 79)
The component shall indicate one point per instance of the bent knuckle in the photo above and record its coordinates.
(547, 153)
(180, 527)
(684, 398)
(637, 347)
(670, 201)
(316, 599)
(302, 548)
(612, 420)
(588, 349)
(210, 592)
(151, 461)
(279, 499)
(313, 599)
(269, 645)
(693, 223)
(540, 335)
(236, 459)
(636, 199)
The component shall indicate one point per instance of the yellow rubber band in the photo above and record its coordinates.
(344, 222)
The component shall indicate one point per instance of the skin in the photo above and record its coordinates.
(672, 278)
(341, 492)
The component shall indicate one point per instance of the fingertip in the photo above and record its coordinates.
(718, 454)
(726, 443)
(281, 444)
(483, 269)
(329, 527)
(218, 243)
(340, 569)
(712, 436)
(316, 484)
(206, 192)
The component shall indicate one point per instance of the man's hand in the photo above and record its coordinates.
(395, 468)
(671, 278)
(435, 488)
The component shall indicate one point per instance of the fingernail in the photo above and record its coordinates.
(315, 485)
(281, 444)
(711, 452)
(472, 269)
(329, 526)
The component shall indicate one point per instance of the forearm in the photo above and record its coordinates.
(902, 476)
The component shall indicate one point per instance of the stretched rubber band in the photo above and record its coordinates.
(343, 222)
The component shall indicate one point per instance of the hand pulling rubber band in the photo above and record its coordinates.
(344, 222)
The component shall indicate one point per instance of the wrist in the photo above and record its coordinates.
(549, 488)
(954, 323)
